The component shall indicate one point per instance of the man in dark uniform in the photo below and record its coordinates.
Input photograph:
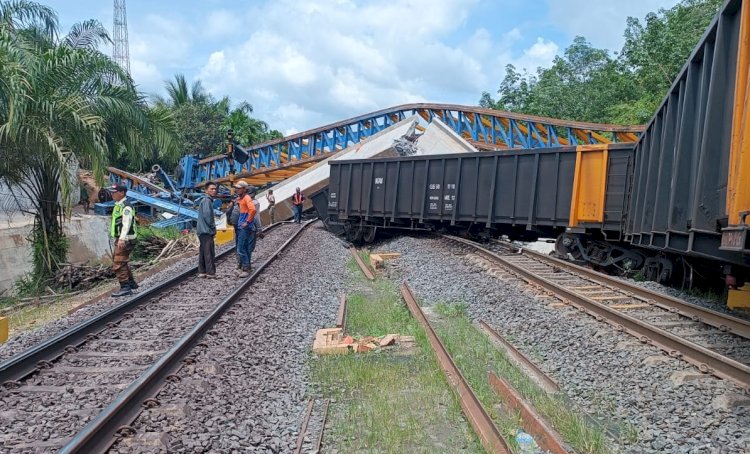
(123, 232)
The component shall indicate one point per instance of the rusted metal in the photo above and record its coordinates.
(341, 315)
(319, 443)
(303, 428)
(706, 360)
(544, 434)
(716, 319)
(540, 377)
(368, 274)
(99, 434)
(135, 179)
(481, 422)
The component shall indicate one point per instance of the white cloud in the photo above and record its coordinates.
(331, 60)
(160, 39)
(602, 23)
(146, 75)
(541, 53)
(222, 24)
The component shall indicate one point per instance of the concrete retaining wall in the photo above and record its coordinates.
(88, 242)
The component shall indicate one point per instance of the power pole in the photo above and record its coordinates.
(121, 53)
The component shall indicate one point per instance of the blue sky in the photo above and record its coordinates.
(307, 63)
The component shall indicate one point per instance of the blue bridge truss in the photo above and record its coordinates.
(485, 128)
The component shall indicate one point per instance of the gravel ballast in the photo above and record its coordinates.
(606, 373)
(27, 339)
(246, 391)
(86, 380)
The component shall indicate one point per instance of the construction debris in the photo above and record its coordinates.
(82, 277)
(377, 260)
(161, 248)
(152, 248)
(331, 341)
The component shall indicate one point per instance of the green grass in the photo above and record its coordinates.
(390, 400)
(364, 254)
(474, 354)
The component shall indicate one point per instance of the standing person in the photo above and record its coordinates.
(206, 230)
(257, 222)
(297, 200)
(85, 198)
(233, 219)
(246, 228)
(271, 199)
(123, 231)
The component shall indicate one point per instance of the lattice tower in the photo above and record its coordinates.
(121, 52)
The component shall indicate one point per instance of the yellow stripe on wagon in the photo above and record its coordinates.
(738, 184)
(589, 184)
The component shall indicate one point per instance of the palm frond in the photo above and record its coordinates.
(87, 35)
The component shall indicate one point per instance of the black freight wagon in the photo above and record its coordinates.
(520, 193)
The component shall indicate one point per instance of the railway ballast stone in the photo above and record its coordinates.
(603, 376)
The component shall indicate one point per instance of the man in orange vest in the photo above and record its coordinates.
(246, 229)
(297, 200)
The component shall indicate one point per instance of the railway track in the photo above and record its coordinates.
(715, 343)
(79, 390)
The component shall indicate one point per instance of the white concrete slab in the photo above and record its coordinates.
(438, 138)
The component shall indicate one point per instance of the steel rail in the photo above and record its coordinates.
(319, 441)
(303, 428)
(483, 425)
(27, 362)
(341, 314)
(365, 270)
(706, 360)
(99, 434)
(545, 435)
(544, 380)
(697, 313)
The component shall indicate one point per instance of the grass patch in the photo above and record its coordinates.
(364, 254)
(388, 401)
(474, 354)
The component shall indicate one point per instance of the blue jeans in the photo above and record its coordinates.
(245, 246)
(297, 213)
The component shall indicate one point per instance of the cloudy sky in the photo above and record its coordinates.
(306, 63)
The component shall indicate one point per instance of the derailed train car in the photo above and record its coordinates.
(580, 195)
(523, 194)
(675, 203)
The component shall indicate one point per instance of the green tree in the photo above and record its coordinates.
(62, 100)
(587, 84)
(583, 84)
(179, 93)
(247, 130)
(199, 128)
(656, 49)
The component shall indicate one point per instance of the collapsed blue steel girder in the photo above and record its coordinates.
(485, 128)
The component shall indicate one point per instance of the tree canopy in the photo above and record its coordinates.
(61, 101)
(589, 84)
(202, 121)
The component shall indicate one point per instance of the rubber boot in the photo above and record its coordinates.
(125, 290)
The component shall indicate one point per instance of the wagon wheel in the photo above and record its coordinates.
(369, 234)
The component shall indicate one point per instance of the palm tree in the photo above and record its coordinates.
(180, 94)
(62, 100)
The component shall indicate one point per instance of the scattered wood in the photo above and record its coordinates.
(161, 248)
(377, 260)
(331, 341)
(82, 277)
